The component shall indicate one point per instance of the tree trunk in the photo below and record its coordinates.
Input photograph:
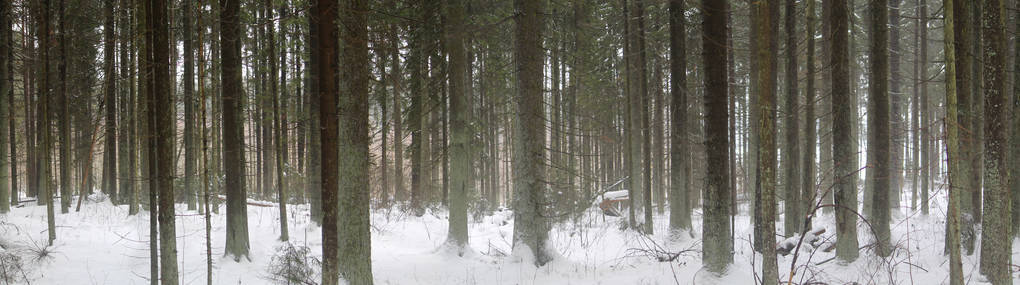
(233, 141)
(793, 214)
(6, 89)
(844, 174)
(529, 151)
(717, 254)
(64, 113)
(399, 194)
(897, 130)
(325, 13)
(164, 152)
(680, 206)
(1014, 141)
(460, 122)
(355, 244)
(996, 243)
(926, 121)
(808, 186)
(952, 146)
(190, 149)
(964, 59)
(110, 103)
(765, 90)
(314, 135)
(879, 159)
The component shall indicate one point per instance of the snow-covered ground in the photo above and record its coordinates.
(103, 245)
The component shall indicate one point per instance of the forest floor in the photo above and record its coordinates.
(103, 245)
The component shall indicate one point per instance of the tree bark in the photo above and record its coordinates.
(530, 238)
(996, 244)
(879, 159)
(844, 174)
(233, 141)
(952, 146)
(792, 213)
(355, 244)
(460, 127)
(325, 13)
(717, 253)
(679, 203)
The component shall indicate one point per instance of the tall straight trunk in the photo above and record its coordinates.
(897, 130)
(64, 112)
(379, 94)
(280, 106)
(190, 148)
(1014, 157)
(808, 186)
(164, 152)
(976, 108)
(314, 187)
(45, 141)
(416, 65)
(110, 103)
(914, 166)
(460, 120)
(765, 90)
(658, 139)
(233, 142)
(679, 204)
(879, 159)
(793, 214)
(324, 13)
(717, 253)
(926, 121)
(996, 244)
(134, 117)
(355, 189)
(529, 156)
(6, 90)
(646, 133)
(826, 166)
(844, 174)
(964, 95)
(952, 146)
(399, 194)
(632, 116)
(125, 192)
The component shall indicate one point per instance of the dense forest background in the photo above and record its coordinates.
(862, 111)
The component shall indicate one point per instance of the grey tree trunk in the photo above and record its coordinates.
(717, 251)
(679, 203)
(190, 150)
(460, 126)
(897, 129)
(399, 193)
(879, 159)
(844, 173)
(64, 113)
(996, 244)
(952, 146)
(6, 89)
(110, 103)
(164, 152)
(233, 142)
(926, 122)
(808, 186)
(355, 244)
(793, 215)
(1014, 185)
(964, 59)
(529, 156)
(765, 90)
